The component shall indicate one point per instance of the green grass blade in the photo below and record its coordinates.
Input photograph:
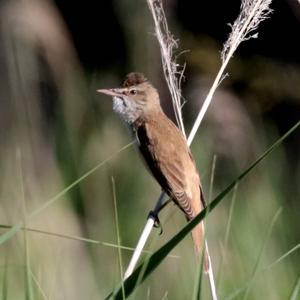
(295, 291)
(228, 227)
(28, 282)
(212, 178)
(11, 232)
(283, 256)
(198, 279)
(38, 285)
(262, 250)
(227, 232)
(155, 259)
(80, 239)
(118, 235)
(5, 281)
(165, 296)
(244, 287)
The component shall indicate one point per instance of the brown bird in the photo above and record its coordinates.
(163, 147)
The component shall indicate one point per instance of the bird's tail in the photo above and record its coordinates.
(200, 245)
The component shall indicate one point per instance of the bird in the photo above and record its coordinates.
(163, 147)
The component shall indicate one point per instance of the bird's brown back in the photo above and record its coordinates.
(166, 153)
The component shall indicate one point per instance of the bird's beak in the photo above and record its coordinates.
(111, 92)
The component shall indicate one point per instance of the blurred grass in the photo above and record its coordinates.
(49, 111)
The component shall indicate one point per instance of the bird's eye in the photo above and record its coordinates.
(133, 92)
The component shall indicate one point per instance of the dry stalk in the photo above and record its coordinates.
(251, 14)
(172, 70)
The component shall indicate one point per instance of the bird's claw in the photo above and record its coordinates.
(157, 223)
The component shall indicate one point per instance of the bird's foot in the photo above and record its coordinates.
(157, 223)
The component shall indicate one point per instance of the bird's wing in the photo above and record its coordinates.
(165, 163)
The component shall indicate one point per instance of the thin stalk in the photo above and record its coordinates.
(198, 278)
(80, 239)
(139, 247)
(170, 67)
(43, 294)
(255, 270)
(227, 232)
(144, 237)
(283, 257)
(212, 178)
(118, 234)
(28, 283)
(296, 290)
(234, 294)
(4, 281)
(145, 265)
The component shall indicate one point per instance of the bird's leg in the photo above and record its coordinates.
(163, 205)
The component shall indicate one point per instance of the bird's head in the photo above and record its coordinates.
(135, 98)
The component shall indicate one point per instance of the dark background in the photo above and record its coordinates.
(100, 42)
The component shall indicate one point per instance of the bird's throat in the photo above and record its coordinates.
(127, 109)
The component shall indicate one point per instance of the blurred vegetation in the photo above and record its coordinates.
(54, 128)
